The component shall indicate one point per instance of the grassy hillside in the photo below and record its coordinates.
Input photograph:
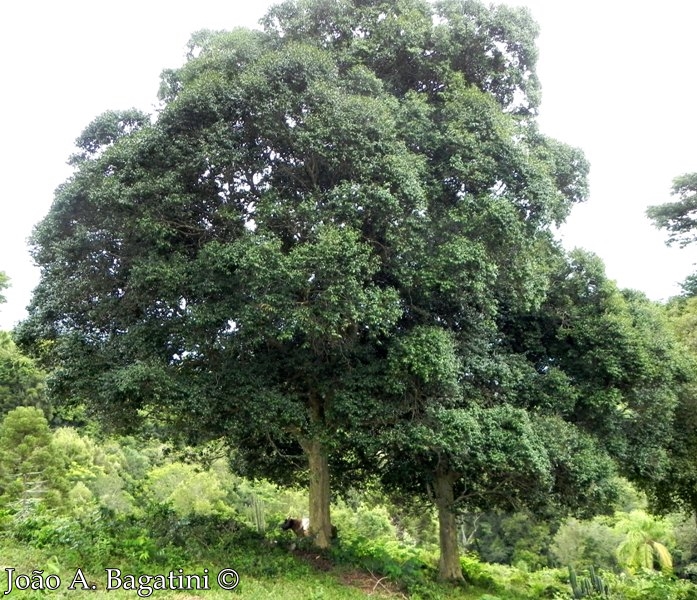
(277, 571)
(264, 572)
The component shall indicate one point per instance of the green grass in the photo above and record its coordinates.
(289, 578)
(265, 573)
(268, 571)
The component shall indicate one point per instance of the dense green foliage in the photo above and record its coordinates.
(584, 384)
(29, 464)
(313, 207)
(610, 362)
(678, 486)
(331, 252)
(22, 383)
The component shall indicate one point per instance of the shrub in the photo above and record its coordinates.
(186, 490)
(586, 543)
(650, 584)
(29, 466)
(476, 572)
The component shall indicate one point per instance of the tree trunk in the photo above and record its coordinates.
(449, 568)
(320, 522)
(318, 462)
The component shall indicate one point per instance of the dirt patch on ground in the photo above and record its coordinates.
(315, 560)
(371, 584)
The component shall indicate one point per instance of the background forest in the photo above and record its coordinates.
(322, 280)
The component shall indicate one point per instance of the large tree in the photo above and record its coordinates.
(560, 396)
(312, 203)
(678, 486)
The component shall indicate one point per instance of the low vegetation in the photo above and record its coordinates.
(73, 501)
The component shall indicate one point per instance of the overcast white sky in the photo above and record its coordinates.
(618, 81)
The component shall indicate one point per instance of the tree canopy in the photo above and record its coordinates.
(336, 233)
(611, 359)
(678, 218)
(566, 393)
(677, 488)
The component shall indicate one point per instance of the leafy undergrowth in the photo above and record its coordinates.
(265, 571)
(273, 568)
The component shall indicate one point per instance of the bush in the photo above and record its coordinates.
(583, 544)
(477, 573)
(195, 532)
(29, 466)
(260, 504)
(649, 584)
(361, 520)
(87, 541)
(186, 490)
